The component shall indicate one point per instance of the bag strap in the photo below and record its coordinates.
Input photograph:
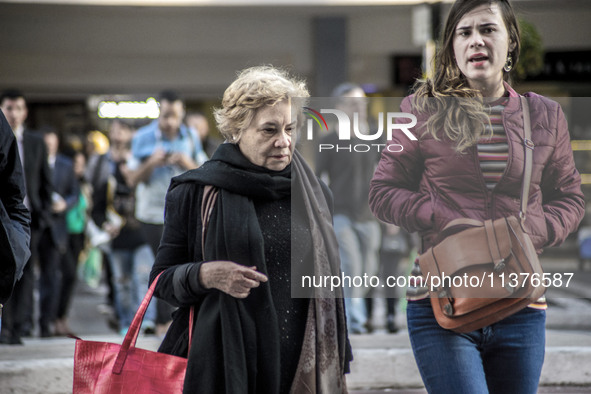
(463, 222)
(528, 162)
(134, 328)
(210, 195)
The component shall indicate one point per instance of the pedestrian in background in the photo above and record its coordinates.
(56, 274)
(17, 319)
(468, 163)
(395, 249)
(250, 334)
(199, 122)
(131, 256)
(104, 223)
(358, 232)
(161, 150)
(76, 219)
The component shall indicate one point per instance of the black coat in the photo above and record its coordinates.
(237, 341)
(14, 216)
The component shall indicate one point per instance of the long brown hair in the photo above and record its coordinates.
(462, 120)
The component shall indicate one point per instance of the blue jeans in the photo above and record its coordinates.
(131, 273)
(505, 357)
(359, 244)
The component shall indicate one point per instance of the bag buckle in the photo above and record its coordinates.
(510, 289)
(500, 266)
(448, 309)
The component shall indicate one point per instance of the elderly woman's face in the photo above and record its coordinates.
(267, 140)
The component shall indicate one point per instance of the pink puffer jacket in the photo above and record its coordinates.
(428, 184)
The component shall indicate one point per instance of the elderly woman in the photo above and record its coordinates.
(250, 335)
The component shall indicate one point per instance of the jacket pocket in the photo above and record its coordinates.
(424, 214)
(444, 211)
(537, 225)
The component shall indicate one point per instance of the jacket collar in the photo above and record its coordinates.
(513, 104)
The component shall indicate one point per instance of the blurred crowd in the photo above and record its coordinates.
(97, 206)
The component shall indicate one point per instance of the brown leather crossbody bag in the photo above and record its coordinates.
(487, 271)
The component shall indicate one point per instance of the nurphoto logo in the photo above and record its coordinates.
(352, 126)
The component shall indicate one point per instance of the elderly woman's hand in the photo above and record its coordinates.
(229, 277)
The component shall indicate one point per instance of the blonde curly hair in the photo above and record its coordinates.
(255, 87)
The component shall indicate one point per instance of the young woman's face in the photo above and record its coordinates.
(481, 45)
(267, 140)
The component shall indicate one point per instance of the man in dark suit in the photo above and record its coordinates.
(55, 239)
(18, 312)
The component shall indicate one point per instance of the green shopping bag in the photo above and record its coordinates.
(91, 268)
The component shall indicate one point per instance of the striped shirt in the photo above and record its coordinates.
(493, 150)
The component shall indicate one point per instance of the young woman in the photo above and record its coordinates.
(468, 163)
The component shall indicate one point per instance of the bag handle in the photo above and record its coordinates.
(134, 328)
(529, 147)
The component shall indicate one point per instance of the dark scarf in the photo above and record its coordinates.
(236, 346)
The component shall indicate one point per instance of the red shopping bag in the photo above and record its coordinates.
(102, 367)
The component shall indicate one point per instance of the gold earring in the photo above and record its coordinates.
(508, 64)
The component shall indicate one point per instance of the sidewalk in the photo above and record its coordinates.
(383, 362)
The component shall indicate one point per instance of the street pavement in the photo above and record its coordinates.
(383, 361)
